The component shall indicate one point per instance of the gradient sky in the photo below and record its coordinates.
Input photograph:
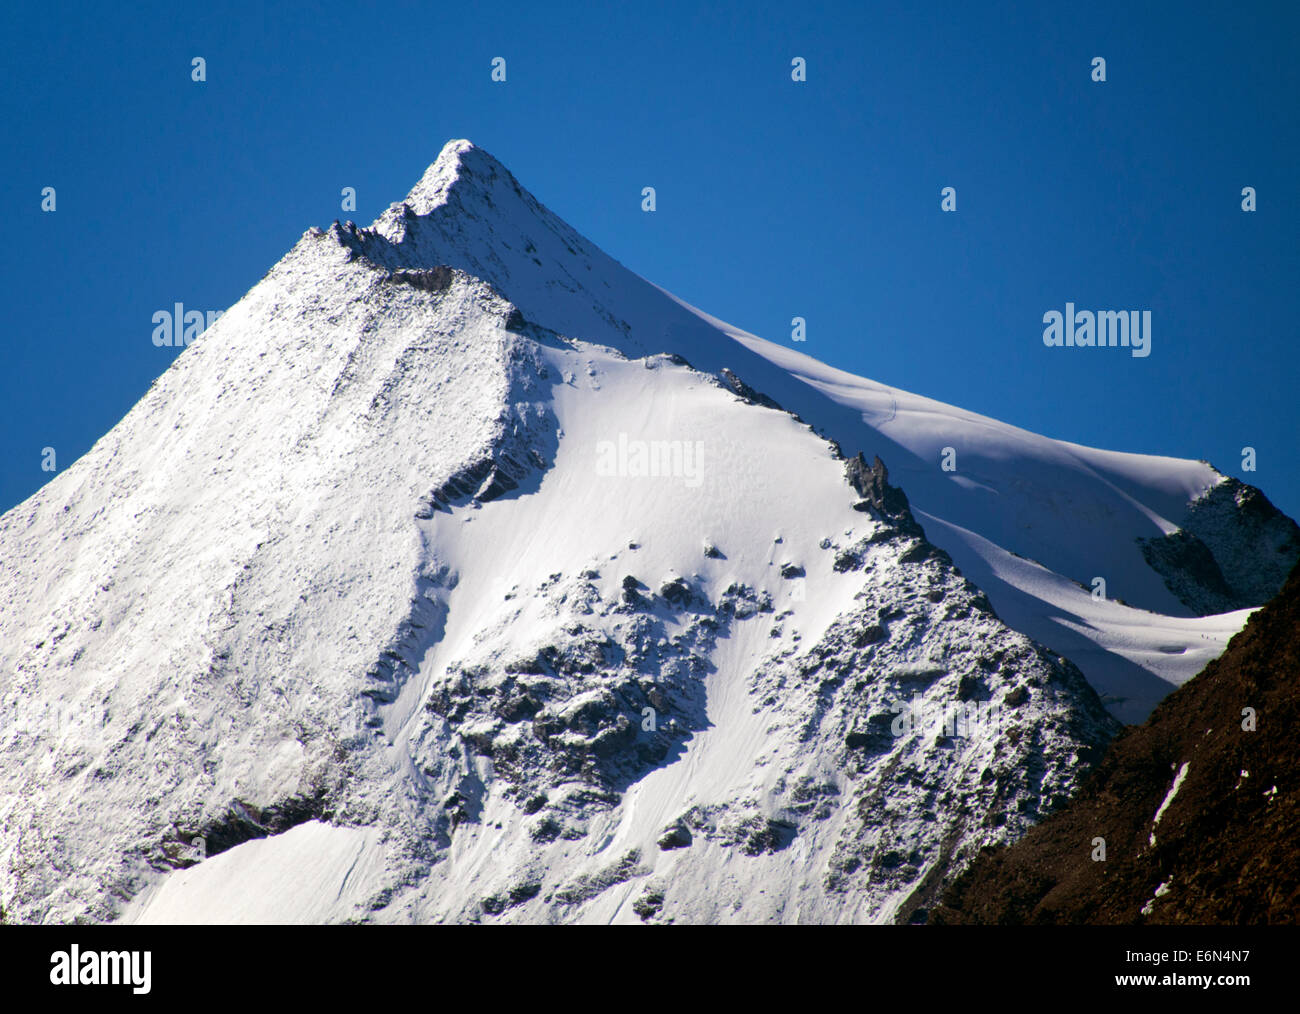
(775, 199)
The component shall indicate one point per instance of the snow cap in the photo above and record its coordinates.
(457, 160)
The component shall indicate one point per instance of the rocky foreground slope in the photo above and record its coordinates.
(1199, 807)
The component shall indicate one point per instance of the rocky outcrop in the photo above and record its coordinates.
(1232, 550)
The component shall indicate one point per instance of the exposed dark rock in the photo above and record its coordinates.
(746, 392)
(632, 592)
(675, 591)
(584, 887)
(546, 830)
(524, 892)
(1190, 571)
(242, 821)
(435, 279)
(482, 481)
(649, 904)
(1233, 550)
(872, 484)
(758, 835)
(969, 687)
(675, 836)
(534, 803)
(517, 895)
(871, 634)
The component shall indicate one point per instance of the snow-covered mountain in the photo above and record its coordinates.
(459, 573)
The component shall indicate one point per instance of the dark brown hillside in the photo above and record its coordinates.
(1227, 847)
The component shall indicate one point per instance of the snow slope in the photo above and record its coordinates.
(378, 593)
(1078, 511)
(757, 680)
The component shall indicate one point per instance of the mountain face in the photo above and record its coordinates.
(458, 573)
(1199, 808)
(1254, 543)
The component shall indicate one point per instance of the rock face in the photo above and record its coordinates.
(1232, 550)
(917, 728)
(872, 484)
(1199, 807)
(456, 574)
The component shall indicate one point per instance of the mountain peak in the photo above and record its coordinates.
(464, 195)
(458, 161)
(468, 211)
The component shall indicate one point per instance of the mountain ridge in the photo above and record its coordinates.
(478, 217)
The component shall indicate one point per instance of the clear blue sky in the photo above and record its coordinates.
(775, 199)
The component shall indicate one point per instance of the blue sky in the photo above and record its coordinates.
(775, 199)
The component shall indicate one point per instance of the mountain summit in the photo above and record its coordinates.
(459, 573)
